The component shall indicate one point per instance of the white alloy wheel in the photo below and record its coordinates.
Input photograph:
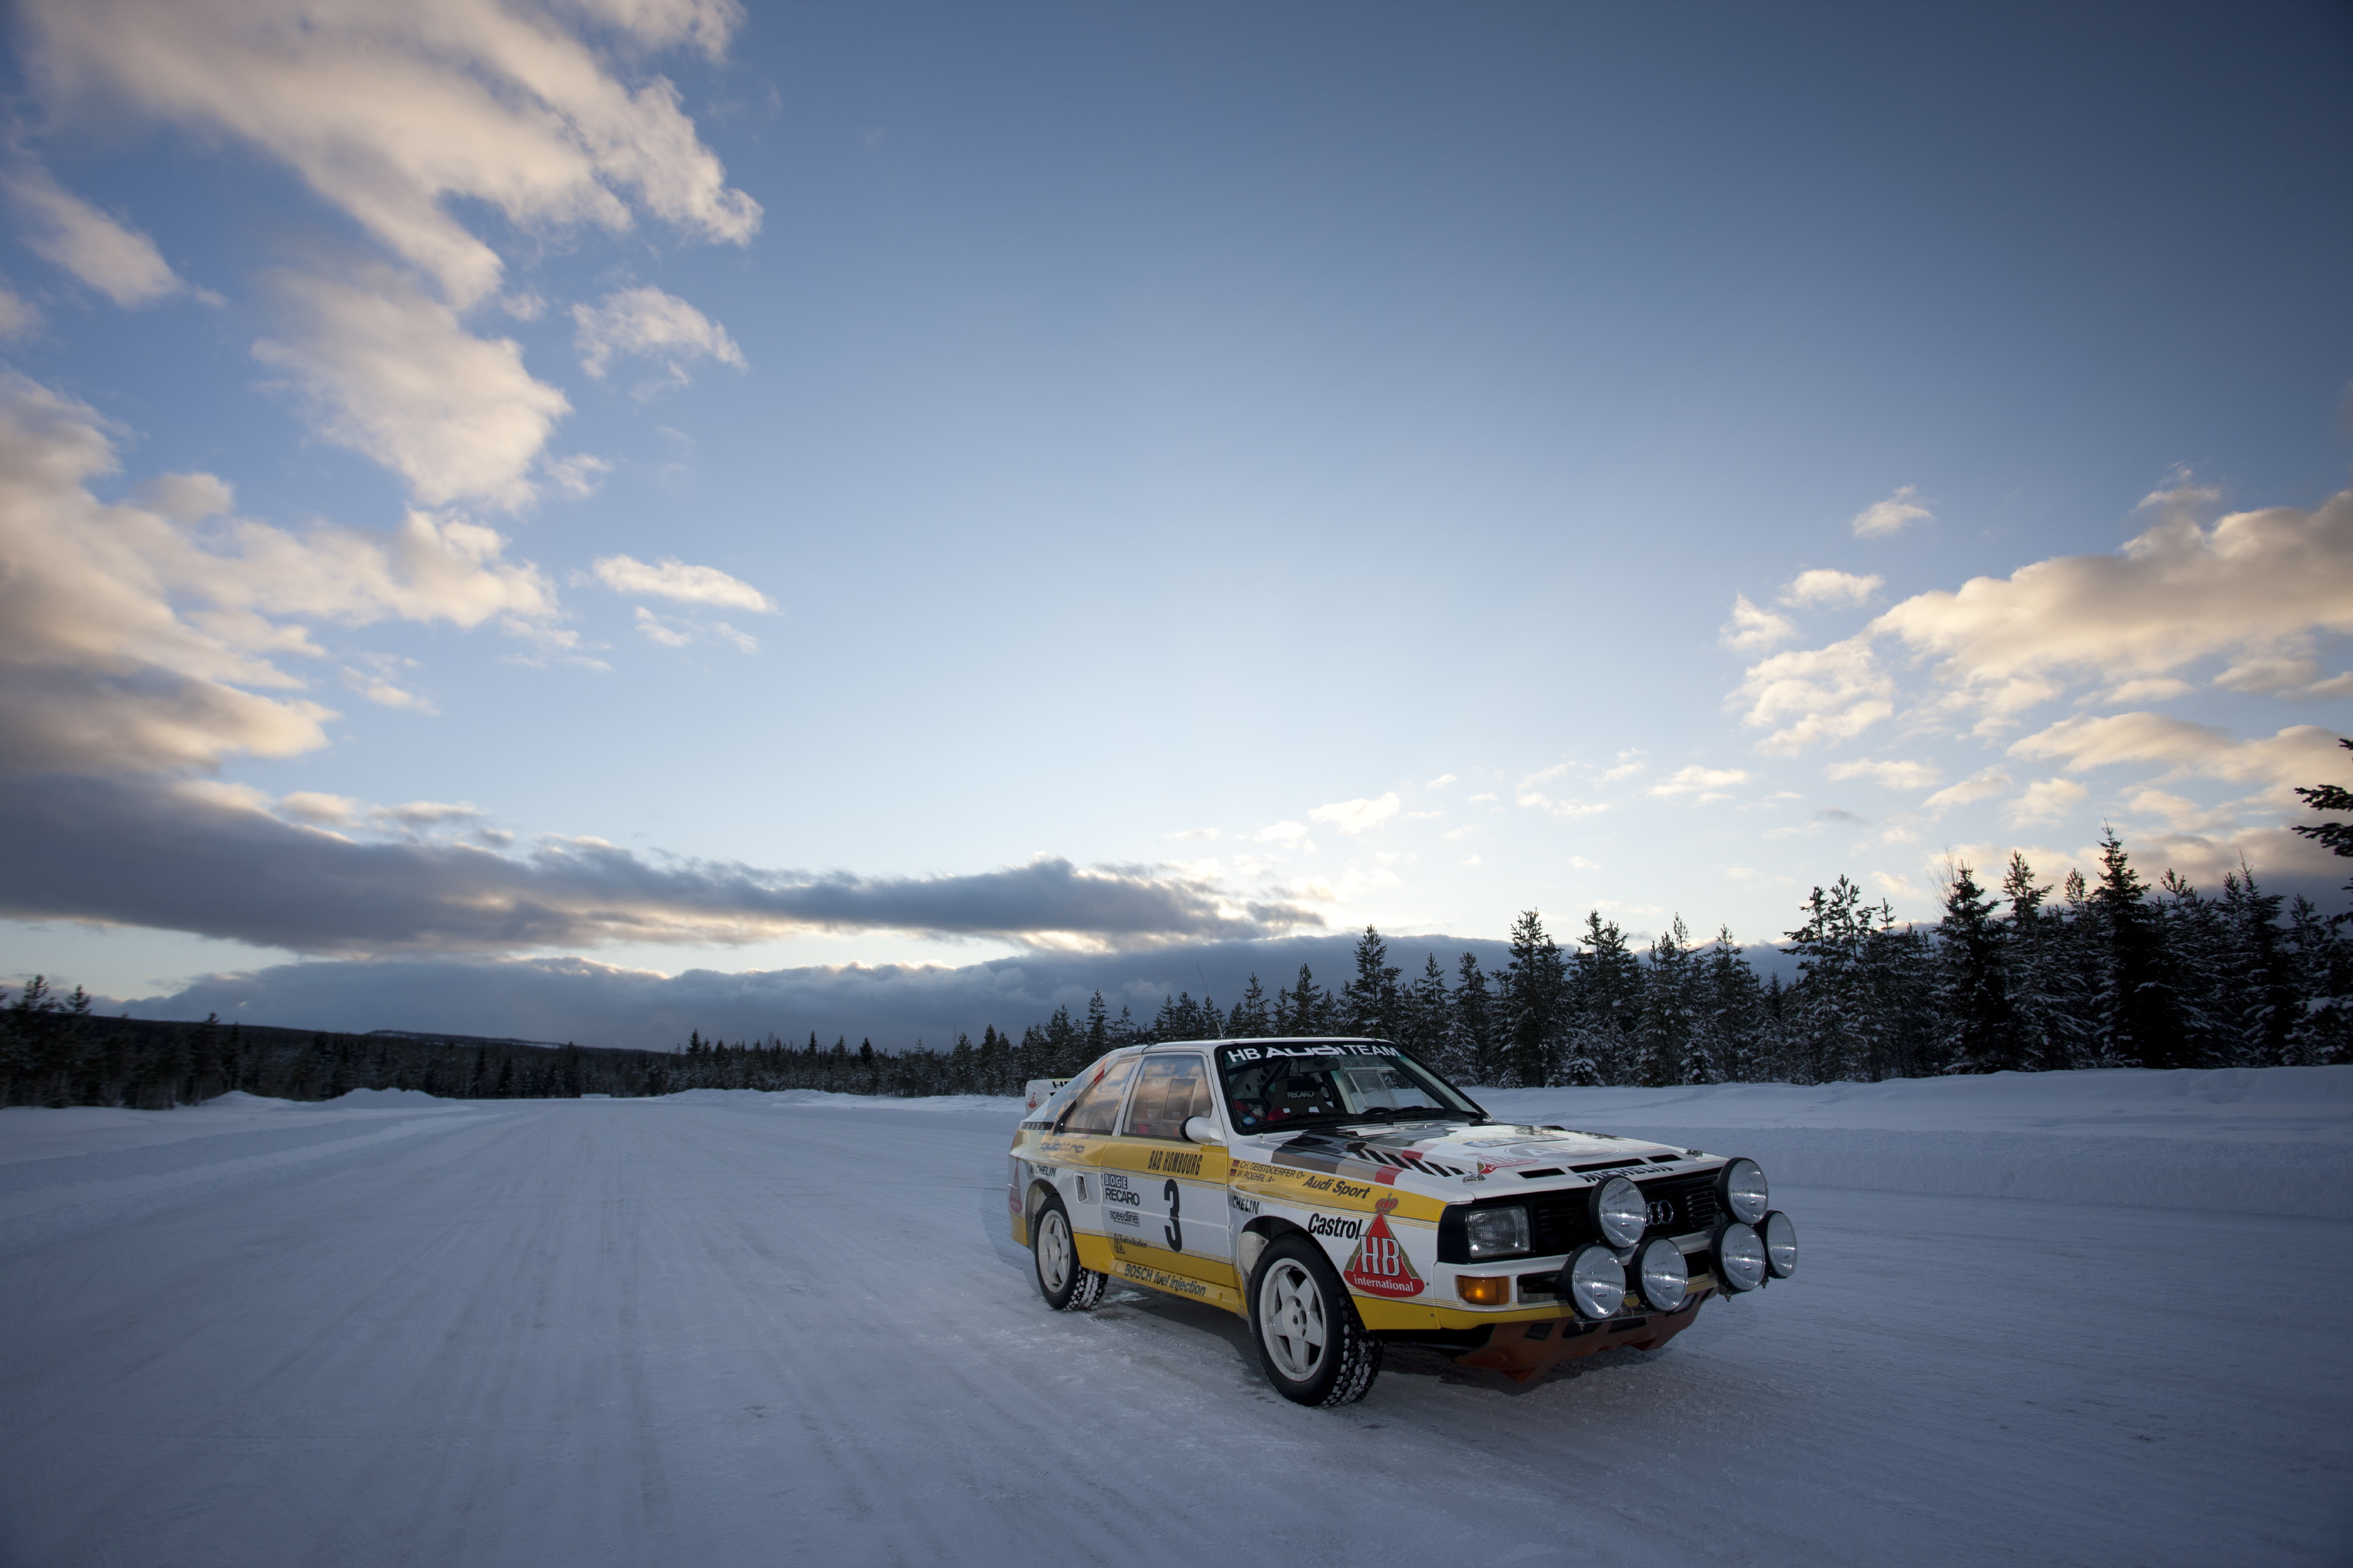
(1068, 1285)
(1291, 1319)
(1054, 1251)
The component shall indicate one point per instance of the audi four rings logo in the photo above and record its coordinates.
(1662, 1212)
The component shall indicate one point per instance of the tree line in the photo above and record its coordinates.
(2022, 975)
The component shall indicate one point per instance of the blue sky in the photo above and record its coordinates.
(696, 489)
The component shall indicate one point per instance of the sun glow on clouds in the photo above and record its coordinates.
(139, 637)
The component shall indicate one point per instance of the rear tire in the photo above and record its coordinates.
(1068, 1286)
(1310, 1341)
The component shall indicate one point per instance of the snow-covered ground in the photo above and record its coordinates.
(725, 1328)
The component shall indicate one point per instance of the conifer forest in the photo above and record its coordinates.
(2016, 975)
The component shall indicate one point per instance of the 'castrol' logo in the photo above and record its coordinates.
(1379, 1267)
(1329, 1225)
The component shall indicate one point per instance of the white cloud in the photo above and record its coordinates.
(98, 249)
(2045, 800)
(1822, 588)
(142, 637)
(1353, 816)
(1807, 696)
(392, 373)
(1977, 786)
(2252, 586)
(1890, 774)
(386, 693)
(1702, 782)
(17, 317)
(661, 630)
(1895, 885)
(1537, 801)
(1440, 779)
(579, 475)
(1294, 833)
(2299, 754)
(672, 579)
(389, 112)
(1752, 630)
(646, 322)
(1893, 515)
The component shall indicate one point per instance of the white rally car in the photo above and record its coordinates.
(1341, 1196)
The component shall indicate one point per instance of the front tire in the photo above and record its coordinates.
(1068, 1286)
(1310, 1341)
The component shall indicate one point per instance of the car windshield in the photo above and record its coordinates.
(1284, 1083)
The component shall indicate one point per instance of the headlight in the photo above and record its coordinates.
(1780, 1243)
(1496, 1233)
(1742, 1188)
(1739, 1255)
(1619, 1213)
(1666, 1282)
(1596, 1281)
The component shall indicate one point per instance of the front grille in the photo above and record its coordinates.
(1561, 1222)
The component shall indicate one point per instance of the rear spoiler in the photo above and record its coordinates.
(1038, 1092)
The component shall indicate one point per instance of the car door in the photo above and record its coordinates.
(1082, 1137)
(1168, 1210)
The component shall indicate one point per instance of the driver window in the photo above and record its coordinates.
(1096, 1110)
(1167, 1092)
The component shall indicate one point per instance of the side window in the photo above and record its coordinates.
(1096, 1109)
(1170, 1089)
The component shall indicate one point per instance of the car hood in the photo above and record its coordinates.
(1443, 1154)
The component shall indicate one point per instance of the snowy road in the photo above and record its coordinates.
(669, 1332)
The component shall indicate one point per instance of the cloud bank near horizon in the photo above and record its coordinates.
(590, 1003)
(218, 860)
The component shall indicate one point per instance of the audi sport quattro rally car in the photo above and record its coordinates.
(1342, 1197)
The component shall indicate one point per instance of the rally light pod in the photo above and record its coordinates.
(1740, 1187)
(1619, 1212)
(1739, 1255)
(1596, 1281)
(1780, 1234)
(1666, 1278)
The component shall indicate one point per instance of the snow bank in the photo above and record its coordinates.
(83, 1166)
(2263, 1140)
(1007, 1106)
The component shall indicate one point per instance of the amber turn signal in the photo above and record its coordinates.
(1483, 1289)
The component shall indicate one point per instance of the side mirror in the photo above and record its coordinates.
(1201, 1130)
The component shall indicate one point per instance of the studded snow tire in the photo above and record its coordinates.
(1310, 1341)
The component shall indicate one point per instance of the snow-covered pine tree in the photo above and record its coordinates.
(1979, 1027)
(1605, 987)
(1535, 1003)
(2138, 1023)
(1370, 1003)
(2194, 958)
(1302, 1009)
(1250, 1018)
(2322, 961)
(1425, 1012)
(2257, 973)
(1733, 1048)
(1472, 1041)
(1667, 1036)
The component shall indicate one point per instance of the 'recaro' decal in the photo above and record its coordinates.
(1117, 1191)
(1379, 1267)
